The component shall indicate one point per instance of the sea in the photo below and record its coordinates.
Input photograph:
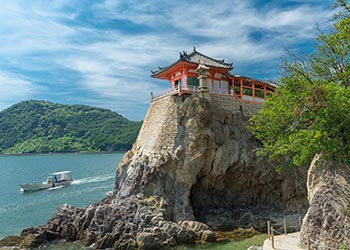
(93, 176)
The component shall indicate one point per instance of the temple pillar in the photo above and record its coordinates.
(253, 90)
(241, 87)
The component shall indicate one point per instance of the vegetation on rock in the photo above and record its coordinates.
(309, 112)
(43, 127)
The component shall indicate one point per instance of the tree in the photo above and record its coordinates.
(310, 111)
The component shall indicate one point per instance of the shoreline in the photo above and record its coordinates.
(62, 153)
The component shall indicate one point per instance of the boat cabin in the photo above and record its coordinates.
(185, 74)
(60, 176)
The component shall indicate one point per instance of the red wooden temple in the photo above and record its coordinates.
(183, 79)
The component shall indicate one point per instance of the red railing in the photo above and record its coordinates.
(178, 90)
(175, 90)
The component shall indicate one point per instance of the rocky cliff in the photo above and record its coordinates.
(192, 169)
(327, 222)
(202, 159)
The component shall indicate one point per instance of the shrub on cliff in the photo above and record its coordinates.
(309, 112)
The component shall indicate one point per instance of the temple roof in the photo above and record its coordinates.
(196, 58)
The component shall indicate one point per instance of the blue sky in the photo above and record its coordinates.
(100, 53)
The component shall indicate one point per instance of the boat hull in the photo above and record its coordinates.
(32, 187)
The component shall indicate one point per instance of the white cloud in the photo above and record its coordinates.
(29, 28)
(110, 74)
(225, 24)
(14, 88)
(114, 65)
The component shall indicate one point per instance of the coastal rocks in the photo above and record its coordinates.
(10, 241)
(34, 237)
(136, 222)
(327, 222)
(202, 231)
(31, 238)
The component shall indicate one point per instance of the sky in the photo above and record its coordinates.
(101, 53)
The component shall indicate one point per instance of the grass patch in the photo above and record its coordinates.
(257, 240)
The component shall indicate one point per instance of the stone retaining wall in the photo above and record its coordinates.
(160, 126)
(161, 120)
(233, 104)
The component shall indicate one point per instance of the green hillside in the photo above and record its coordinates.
(43, 127)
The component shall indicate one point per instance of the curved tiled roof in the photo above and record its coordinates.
(197, 58)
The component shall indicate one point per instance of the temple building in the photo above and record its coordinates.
(196, 72)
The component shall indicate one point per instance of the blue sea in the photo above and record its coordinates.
(93, 176)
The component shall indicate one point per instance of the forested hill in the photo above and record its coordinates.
(43, 127)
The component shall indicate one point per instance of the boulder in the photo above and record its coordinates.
(202, 231)
(33, 237)
(10, 241)
(207, 236)
(327, 222)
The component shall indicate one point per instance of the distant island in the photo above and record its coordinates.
(45, 127)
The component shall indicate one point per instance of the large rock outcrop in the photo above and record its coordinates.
(194, 162)
(327, 222)
(203, 161)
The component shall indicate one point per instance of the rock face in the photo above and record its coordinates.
(327, 222)
(136, 222)
(192, 169)
(202, 160)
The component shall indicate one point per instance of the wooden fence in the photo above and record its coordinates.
(310, 243)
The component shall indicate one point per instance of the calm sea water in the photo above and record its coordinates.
(93, 176)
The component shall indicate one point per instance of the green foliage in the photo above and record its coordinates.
(248, 92)
(331, 60)
(43, 127)
(259, 93)
(295, 126)
(342, 247)
(309, 112)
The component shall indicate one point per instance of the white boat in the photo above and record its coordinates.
(58, 179)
